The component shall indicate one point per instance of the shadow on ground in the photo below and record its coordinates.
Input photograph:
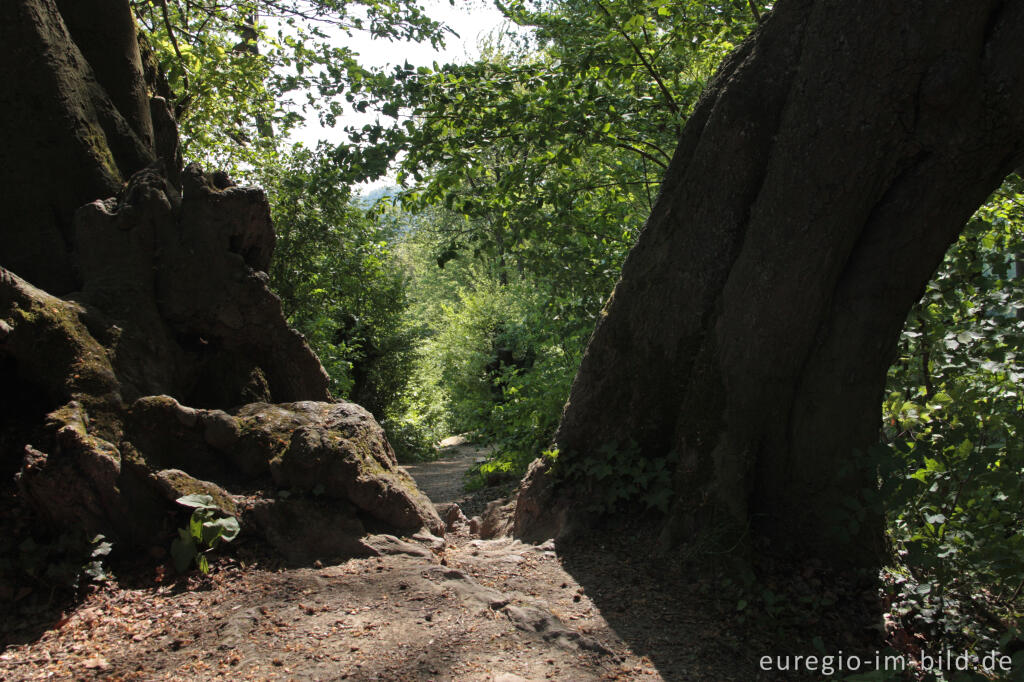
(688, 621)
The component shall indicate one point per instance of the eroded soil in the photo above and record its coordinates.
(458, 608)
(463, 609)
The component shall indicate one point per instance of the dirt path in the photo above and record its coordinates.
(426, 609)
(443, 478)
(461, 609)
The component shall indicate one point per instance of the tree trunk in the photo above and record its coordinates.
(831, 162)
(74, 92)
(175, 260)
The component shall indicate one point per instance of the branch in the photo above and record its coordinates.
(628, 147)
(755, 11)
(170, 30)
(639, 53)
(635, 141)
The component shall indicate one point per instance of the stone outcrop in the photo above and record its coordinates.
(84, 108)
(172, 371)
(142, 354)
(187, 272)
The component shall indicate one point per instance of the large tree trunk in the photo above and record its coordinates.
(80, 112)
(835, 157)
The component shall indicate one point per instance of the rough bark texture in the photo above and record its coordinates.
(132, 292)
(69, 142)
(834, 158)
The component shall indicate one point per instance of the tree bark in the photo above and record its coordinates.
(74, 92)
(821, 178)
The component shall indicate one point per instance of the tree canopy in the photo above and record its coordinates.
(245, 73)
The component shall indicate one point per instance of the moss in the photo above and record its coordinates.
(50, 341)
(131, 455)
(96, 141)
(182, 484)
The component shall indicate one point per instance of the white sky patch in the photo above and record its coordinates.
(472, 20)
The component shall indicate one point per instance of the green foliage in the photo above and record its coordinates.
(245, 73)
(530, 173)
(955, 418)
(647, 480)
(532, 170)
(545, 156)
(339, 283)
(526, 178)
(492, 367)
(59, 562)
(208, 525)
(494, 360)
(554, 147)
(99, 549)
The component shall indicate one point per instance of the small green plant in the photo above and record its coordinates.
(63, 561)
(208, 526)
(94, 568)
(643, 479)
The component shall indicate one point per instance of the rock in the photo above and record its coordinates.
(538, 513)
(451, 442)
(339, 451)
(157, 378)
(175, 483)
(551, 629)
(431, 541)
(387, 545)
(162, 440)
(468, 589)
(474, 525)
(452, 516)
(220, 430)
(187, 416)
(330, 452)
(529, 618)
(496, 521)
(75, 484)
(70, 492)
(185, 276)
(49, 346)
(304, 530)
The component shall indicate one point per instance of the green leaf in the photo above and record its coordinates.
(197, 501)
(100, 547)
(225, 529)
(195, 527)
(96, 571)
(183, 551)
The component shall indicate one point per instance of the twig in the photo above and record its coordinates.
(647, 65)
(755, 11)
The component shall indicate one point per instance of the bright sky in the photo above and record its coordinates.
(473, 20)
